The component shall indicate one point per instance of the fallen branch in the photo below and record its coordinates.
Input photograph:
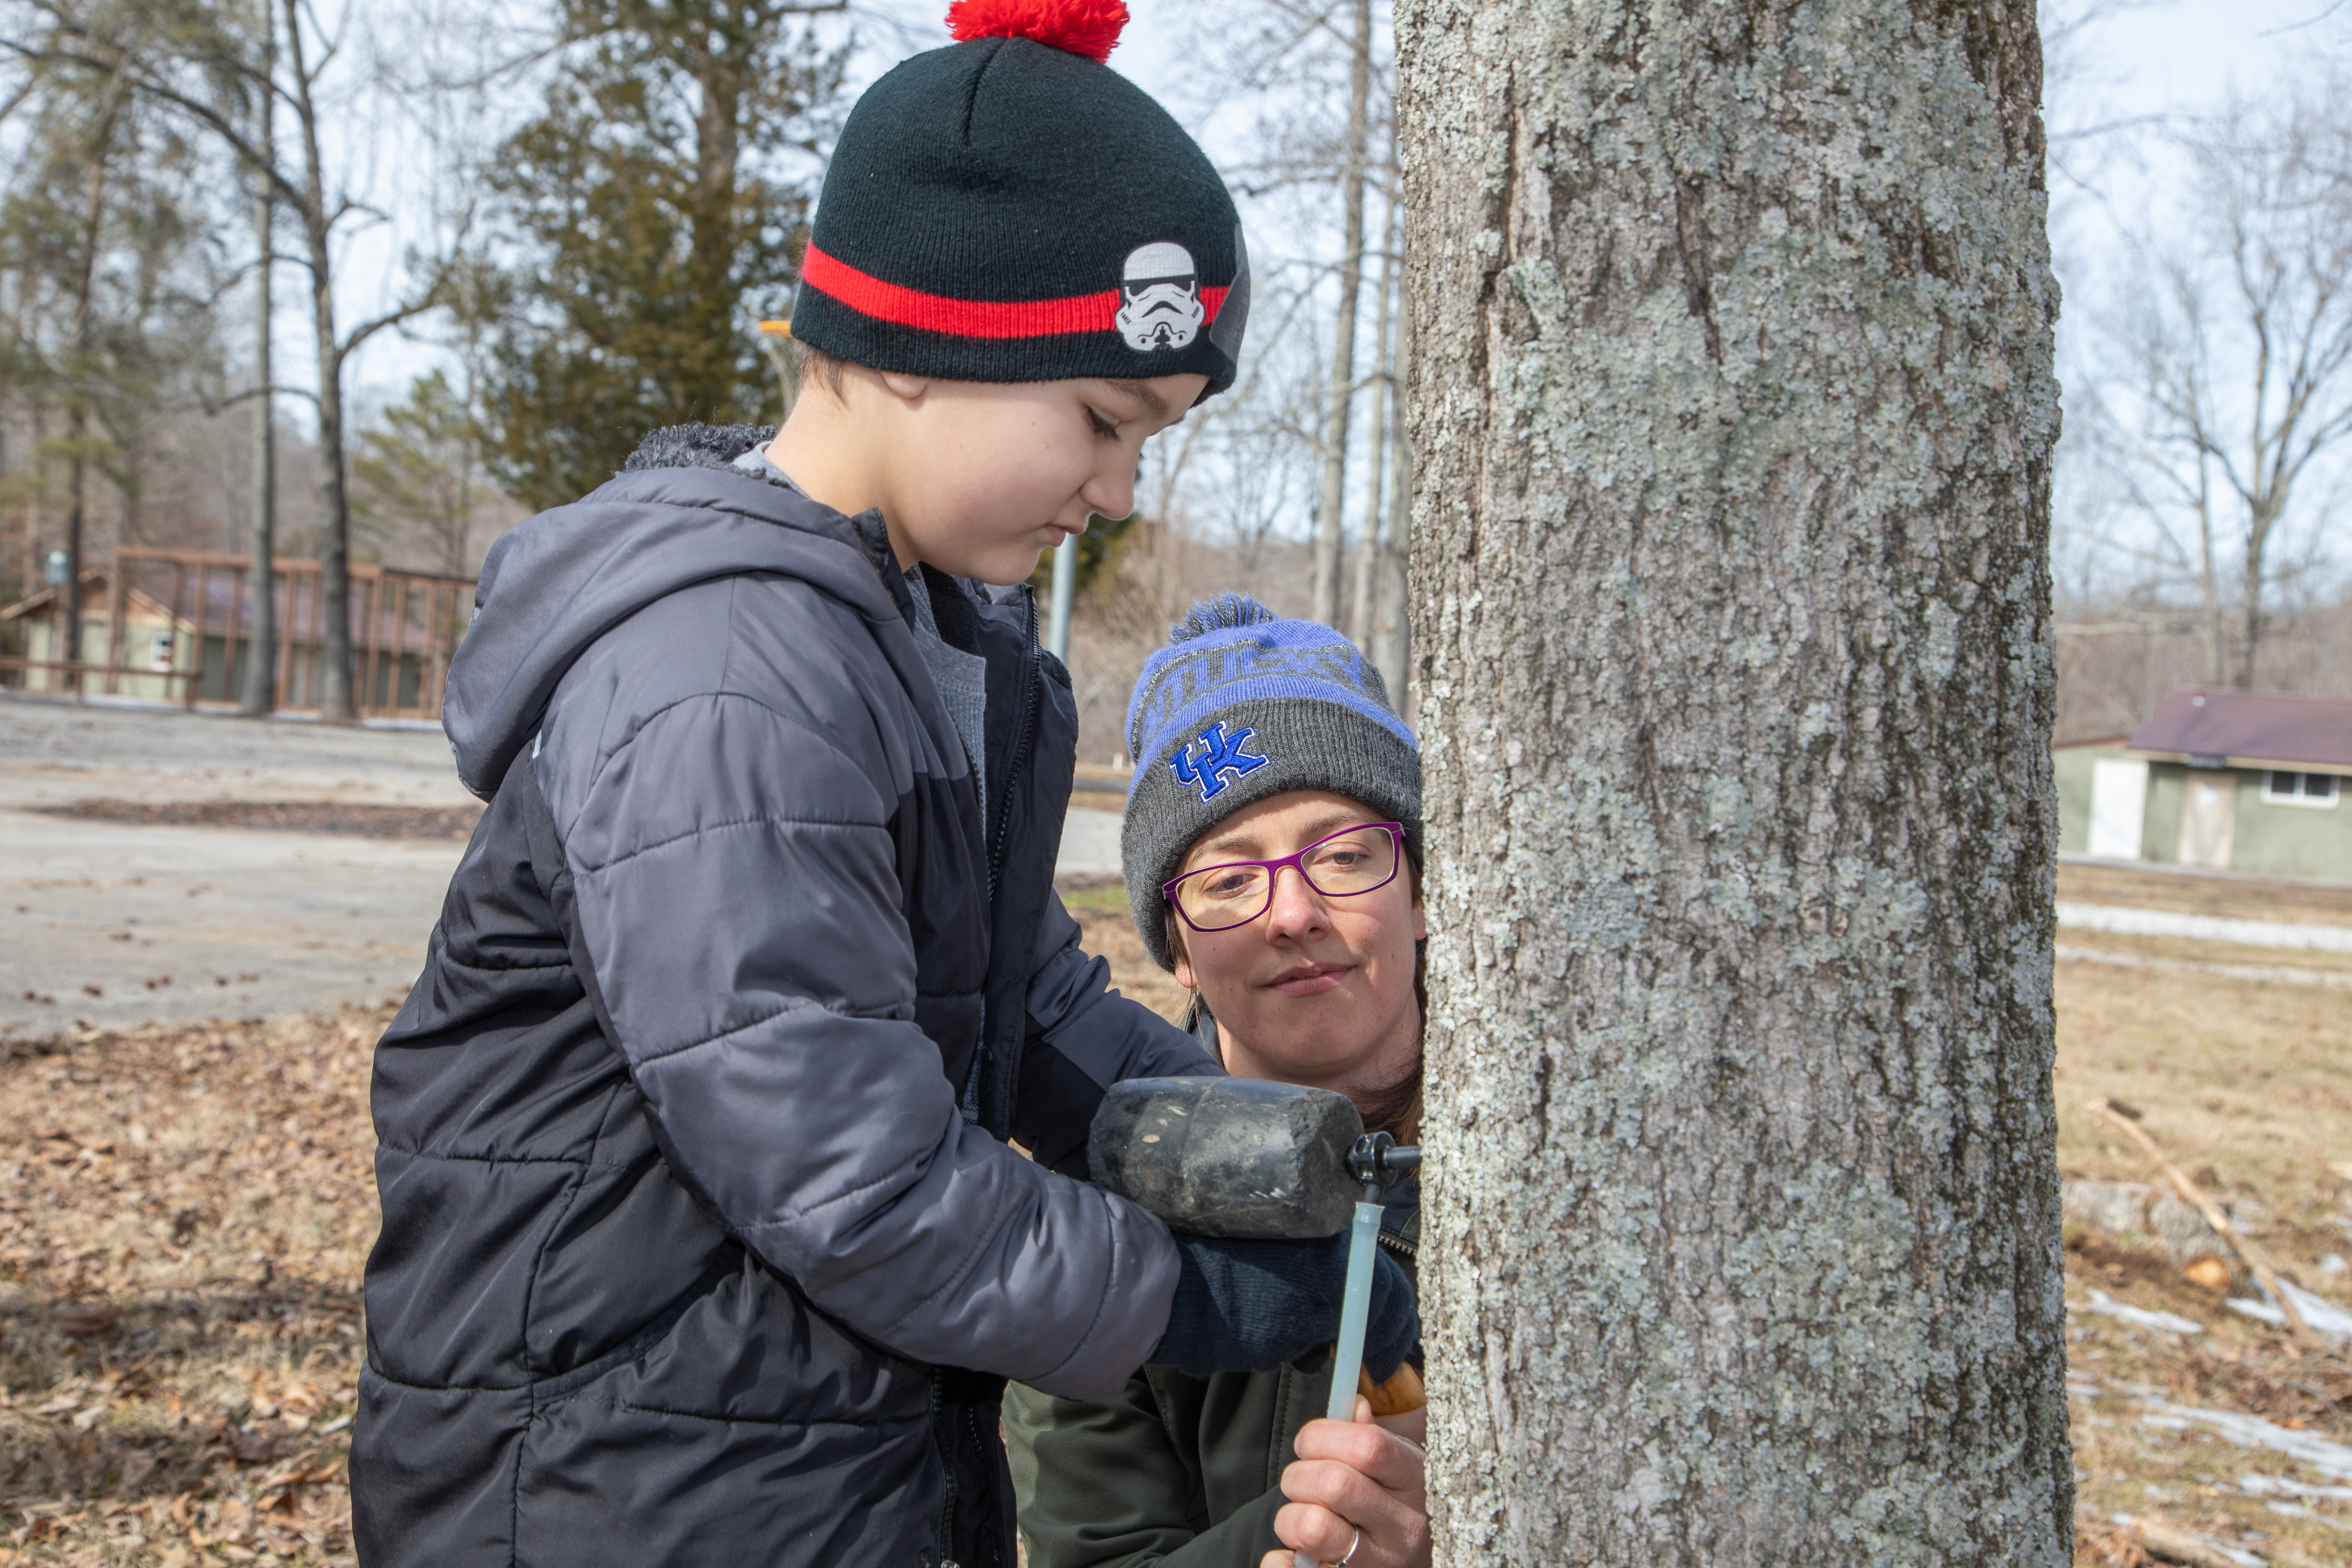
(2216, 1216)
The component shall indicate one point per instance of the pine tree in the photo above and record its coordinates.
(417, 472)
(652, 222)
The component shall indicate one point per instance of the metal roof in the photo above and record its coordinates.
(2219, 727)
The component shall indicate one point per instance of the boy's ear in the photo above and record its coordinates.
(904, 387)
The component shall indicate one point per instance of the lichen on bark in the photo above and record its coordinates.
(1733, 404)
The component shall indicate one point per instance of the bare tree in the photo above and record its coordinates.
(205, 60)
(1371, 553)
(98, 159)
(2223, 374)
(1340, 407)
(104, 292)
(1733, 405)
(260, 695)
(1318, 183)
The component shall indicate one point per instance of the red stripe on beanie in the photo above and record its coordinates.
(870, 296)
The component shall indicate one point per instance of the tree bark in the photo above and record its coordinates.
(1733, 405)
(260, 695)
(1339, 403)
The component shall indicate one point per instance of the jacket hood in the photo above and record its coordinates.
(676, 515)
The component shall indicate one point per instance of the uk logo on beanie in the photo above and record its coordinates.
(1218, 763)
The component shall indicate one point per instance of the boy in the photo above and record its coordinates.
(701, 1241)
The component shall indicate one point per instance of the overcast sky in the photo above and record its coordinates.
(2174, 58)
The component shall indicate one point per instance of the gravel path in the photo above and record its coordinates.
(200, 885)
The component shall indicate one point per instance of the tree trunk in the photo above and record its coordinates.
(2263, 513)
(1372, 555)
(334, 671)
(1394, 655)
(332, 680)
(260, 695)
(1734, 405)
(66, 642)
(1333, 499)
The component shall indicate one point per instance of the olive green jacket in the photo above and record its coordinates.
(1184, 1471)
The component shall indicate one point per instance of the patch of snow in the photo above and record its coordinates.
(2279, 1486)
(2333, 1460)
(2325, 1318)
(2141, 1317)
(2204, 928)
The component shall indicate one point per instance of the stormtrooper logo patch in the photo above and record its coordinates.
(1159, 298)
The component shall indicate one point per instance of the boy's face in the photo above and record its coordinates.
(984, 476)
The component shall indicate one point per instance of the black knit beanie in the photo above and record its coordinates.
(1010, 208)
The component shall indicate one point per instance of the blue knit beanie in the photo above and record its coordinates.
(1242, 705)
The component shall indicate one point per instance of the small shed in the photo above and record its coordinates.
(2244, 780)
(155, 640)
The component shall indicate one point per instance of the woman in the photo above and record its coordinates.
(1271, 846)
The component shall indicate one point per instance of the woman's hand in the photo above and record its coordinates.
(1352, 1476)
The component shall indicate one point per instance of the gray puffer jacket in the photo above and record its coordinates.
(702, 1243)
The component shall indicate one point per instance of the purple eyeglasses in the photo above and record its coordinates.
(1351, 861)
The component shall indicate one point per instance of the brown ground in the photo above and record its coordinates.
(183, 1214)
(2235, 898)
(2249, 1089)
(282, 817)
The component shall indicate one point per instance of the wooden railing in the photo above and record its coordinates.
(405, 625)
(76, 670)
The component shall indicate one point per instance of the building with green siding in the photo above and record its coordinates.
(2241, 781)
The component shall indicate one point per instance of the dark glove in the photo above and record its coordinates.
(1250, 1306)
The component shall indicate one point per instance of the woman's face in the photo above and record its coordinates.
(1319, 989)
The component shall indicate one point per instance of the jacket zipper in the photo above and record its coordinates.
(1399, 1245)
(1000, 835)
(1031, 675)
(947, 1473)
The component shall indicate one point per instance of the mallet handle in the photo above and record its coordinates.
(1355, 1309)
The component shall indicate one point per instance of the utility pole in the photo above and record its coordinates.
(1733, 406)
(261, 695)
(1332, 500)
(1066, 582)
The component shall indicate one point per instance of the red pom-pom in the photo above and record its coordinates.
(1088, 27)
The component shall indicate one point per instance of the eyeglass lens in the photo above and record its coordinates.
(1355, 861)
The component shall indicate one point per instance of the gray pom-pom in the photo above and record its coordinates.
(697, 447)
(1222, 613)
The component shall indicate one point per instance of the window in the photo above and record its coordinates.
(2281, 788)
